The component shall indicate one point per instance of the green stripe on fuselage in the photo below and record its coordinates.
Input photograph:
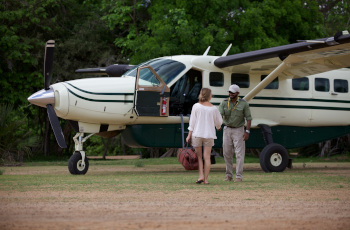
(169, 135)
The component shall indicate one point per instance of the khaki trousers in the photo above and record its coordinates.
(233, 142)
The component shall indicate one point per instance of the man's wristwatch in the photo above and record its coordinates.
(247, 131)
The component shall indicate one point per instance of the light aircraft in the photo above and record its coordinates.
(298, 95)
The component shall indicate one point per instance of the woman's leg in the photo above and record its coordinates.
(207, 163)
(200, 162)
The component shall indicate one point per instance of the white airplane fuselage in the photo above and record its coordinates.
(109, 100)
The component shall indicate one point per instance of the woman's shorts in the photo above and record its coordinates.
(199, 141)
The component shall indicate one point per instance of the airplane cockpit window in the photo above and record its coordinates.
(240, 79)
(167, 69)
(300, 83)
(216, 79)
(273, 85)
(341, 86)
(322, 84)
(147, 78)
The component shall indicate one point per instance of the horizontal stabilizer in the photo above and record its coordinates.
(97, 71)
(112, 70)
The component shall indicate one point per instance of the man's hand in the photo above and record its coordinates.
(245, 136)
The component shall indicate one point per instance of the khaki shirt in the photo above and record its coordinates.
(235, 114)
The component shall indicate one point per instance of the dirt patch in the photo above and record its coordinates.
(185, 209)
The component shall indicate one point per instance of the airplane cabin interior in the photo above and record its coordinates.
(184, 93)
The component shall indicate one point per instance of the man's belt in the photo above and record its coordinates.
(233, 127)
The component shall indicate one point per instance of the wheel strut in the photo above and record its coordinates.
(78, 163)
(79, 140)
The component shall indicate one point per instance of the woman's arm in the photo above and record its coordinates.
(218, 120)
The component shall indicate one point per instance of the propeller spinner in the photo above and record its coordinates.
(46, 96)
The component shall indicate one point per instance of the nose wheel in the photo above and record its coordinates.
(78, 163)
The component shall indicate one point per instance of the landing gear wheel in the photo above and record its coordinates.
(75, 165)
(274, 158)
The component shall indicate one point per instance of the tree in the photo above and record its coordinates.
(336, 15)
(82, 39)
(189, 27)
(15, 141)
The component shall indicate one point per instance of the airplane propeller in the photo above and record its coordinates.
(46, 97)
(48, 63)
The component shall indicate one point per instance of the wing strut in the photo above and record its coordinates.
(266, 81)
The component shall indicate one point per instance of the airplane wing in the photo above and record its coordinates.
(291, 61)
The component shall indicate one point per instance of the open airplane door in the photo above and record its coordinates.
(151, 94)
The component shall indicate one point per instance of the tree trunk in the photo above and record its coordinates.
(105, 147)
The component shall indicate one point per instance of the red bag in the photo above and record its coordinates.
(188, 158)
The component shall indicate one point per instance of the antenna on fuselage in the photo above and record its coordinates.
(207, 51)
(226, 51)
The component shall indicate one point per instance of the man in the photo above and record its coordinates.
(235, 112)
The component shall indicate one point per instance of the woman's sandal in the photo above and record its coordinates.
(199, 181)
(205, 182)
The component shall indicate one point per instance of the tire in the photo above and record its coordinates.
(274, 158)
(74, 164)
(262, 164)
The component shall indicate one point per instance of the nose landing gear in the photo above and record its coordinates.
(78, 163)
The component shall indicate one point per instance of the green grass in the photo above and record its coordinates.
(173, 160)
(166, 175)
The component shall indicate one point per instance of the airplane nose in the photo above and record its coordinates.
(42, 98)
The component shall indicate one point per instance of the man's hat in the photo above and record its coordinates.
(234, 88)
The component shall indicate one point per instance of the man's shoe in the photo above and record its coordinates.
(227, 178)
(238, 180)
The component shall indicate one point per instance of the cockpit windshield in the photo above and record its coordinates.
(167, 69)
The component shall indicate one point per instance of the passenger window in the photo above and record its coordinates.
(273, 85)
(341, 86)
(216, 79)
(300, 84)
(322, 84)
(240, 79)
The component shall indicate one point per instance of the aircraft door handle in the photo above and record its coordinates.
(162, 91)
(333, 93)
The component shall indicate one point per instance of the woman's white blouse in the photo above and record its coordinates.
(203, 121)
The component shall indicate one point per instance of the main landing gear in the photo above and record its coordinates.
(274, 157)
(78, 163)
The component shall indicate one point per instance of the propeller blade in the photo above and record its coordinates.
(55, 124)
(48, 62)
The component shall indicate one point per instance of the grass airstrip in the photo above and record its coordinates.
(166, 175)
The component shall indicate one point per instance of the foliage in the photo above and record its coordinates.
(327, 148)
(189, 27)
(15, 141)
(82, 40)
(336, 15)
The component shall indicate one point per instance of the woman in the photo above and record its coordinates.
(204, 118)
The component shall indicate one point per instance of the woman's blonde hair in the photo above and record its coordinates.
(204, 95)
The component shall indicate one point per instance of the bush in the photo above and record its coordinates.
(16, 140)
